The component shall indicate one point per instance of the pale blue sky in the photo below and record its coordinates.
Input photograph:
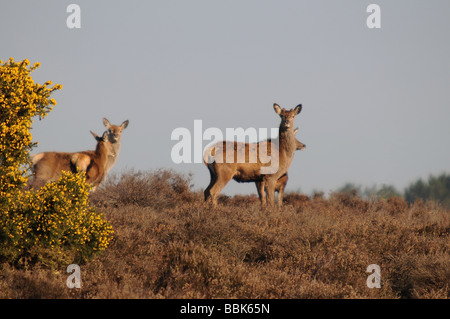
(376, 104)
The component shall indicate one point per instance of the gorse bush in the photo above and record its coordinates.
(54, 224)
(21, 99)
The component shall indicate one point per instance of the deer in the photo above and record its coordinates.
(47, 166)
(114, 137)
(282, 181)
(221, 160)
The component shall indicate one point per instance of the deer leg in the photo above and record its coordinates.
(80, 162)
(260, 185)
(271, 191)
(220, 183)
(37, 182)
(257, 184)
(280, 196)
(213, 180)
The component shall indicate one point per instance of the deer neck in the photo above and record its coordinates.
(287, 141)
(102, 153)
(115, 149)
(112, 157)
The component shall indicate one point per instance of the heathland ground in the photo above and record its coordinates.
(169, 244)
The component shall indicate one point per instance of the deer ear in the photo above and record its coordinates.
(277, 108)
(298, 109)
(106, 122)
(296, 131)
(95, 136)
(105, 136)
(124, 124)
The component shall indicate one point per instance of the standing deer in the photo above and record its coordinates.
(114, 137)
(282, 181)
(222, 170)
(48, 166)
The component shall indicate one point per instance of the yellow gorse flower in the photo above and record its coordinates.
(57, 216)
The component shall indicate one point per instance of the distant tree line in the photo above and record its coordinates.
(437, 189)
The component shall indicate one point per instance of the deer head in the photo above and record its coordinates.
(287, 116)
(300, 145)
(103, 138)
(114, 131)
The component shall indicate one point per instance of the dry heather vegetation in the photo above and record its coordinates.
(169, 244)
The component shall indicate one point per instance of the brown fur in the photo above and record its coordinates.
(48, 166)
(223, 168)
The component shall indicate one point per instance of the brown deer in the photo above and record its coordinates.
(48, 166)
(282, 181)
(223, 164)
(114, 137)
